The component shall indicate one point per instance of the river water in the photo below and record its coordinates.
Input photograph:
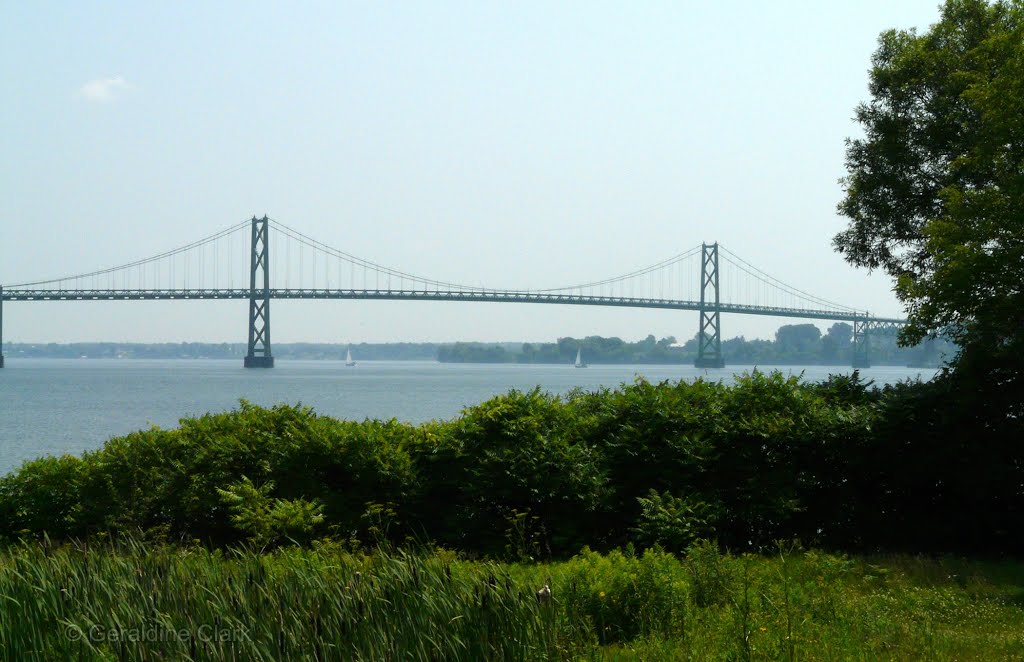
(54, 406)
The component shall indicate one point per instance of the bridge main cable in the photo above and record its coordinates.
(137, 263)
(367, 264)
(768, 279)
(438, 284)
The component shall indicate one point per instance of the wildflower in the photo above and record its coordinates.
(544, 594)
(601, 595)
(763, 629)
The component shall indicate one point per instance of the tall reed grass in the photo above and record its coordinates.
(124, 600)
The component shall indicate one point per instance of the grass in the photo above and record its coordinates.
(128, 601)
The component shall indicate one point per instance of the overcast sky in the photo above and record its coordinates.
(525, 144)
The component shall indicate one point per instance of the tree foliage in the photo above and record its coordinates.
(935, 190)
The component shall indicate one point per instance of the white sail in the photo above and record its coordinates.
(579, 358)
(348, 357)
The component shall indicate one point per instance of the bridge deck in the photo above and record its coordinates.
(499, 296)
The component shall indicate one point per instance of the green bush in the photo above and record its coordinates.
(515, 456)
(672, 523)
(270, 521)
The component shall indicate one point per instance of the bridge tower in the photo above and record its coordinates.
(709, 340)
(861, 344)
(1, 326)
(259, 355)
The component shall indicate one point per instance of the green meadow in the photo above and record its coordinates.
(123, 600)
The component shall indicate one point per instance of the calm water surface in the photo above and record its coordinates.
(54, 406)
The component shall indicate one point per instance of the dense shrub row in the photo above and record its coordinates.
(529, 474)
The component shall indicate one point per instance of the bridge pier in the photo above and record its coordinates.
(709, 338)
(861, 344)
(259, 355)
(709, 362)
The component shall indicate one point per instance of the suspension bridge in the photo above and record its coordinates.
(707, 279)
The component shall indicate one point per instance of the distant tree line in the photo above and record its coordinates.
(798, 344)
(189, 350)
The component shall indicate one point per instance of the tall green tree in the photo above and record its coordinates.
(836, 342)
(798, 338)
(935, 187)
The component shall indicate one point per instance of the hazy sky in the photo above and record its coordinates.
(525, 144)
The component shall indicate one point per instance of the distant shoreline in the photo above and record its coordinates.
(595, 349)
(766, 366)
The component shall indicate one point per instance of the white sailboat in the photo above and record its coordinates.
(579, 359)
(348, 358)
